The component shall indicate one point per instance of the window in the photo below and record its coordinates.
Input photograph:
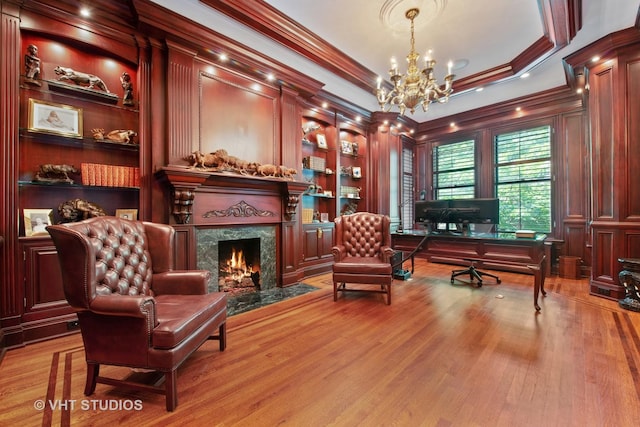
(407, 187)
(454, 170)
(523, 179)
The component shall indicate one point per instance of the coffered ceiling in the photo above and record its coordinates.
(346, 44)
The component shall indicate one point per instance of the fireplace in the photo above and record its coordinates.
(239, 266)
(219, 250)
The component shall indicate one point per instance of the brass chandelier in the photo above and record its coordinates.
(416, 87)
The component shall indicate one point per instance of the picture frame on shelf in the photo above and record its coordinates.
(328, 193)
(322, 141)
(56, 119)
(347, 147)
(131, 214)
(36, 221)
(356, 172)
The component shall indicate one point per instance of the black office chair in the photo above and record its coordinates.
(473, 273)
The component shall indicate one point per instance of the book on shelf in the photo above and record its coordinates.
(95, 174)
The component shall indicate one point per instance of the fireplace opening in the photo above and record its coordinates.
(239, 266)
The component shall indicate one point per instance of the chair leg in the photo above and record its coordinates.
(93, 369)
(223, 336)
(388, 289)
(170, 384)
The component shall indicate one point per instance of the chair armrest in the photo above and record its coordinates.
(124, 305)
(181, 282)
(387, 253)
(338, 252)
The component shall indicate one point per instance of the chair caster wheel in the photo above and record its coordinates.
(479, 284)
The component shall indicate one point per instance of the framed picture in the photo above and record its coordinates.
(328, 193)
(322, 141)
(127, 213)
(56, 119)
(35, 221)
(356, 172)
(347, 148)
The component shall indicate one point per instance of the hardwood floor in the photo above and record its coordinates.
(440, 355)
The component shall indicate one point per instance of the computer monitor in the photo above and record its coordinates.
(474, 211)
(431, 211)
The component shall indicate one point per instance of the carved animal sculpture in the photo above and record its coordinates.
(267, 170)
(77, 209)
(80, 78)
(199, 159)
(55, 173)
(287, 173)
(123, 136)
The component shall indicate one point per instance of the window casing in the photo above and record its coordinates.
(407, 187)
(523, 179)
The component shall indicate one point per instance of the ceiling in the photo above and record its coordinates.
(492, 43)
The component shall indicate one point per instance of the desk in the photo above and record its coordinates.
(493, 251)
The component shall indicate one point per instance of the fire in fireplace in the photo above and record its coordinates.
(239, 266)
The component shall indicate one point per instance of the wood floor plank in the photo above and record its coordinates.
(440, 355)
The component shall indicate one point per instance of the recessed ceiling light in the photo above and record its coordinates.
(480, 89)
(223, 57)
(525, 75)
(325, 105)
(595, 59)
(518, 108)
(85, 12)
(271, 77)
(452, 124)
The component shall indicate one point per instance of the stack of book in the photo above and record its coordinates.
(95, 174)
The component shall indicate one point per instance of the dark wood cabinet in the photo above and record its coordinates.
(46, 312)
(318, 239)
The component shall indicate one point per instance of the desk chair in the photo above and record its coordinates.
(473, 273)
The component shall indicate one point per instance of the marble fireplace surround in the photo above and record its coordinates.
(208, 244)
(226, 206)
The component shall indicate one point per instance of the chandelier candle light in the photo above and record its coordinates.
(415, 87)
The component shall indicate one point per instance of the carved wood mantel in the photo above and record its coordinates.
(216, 198)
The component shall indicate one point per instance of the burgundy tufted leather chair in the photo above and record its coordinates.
(362, 253)
(134, 309)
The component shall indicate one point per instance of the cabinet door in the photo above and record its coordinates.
(318, 241)
(325, 241)
(43, 291)
(311, 248)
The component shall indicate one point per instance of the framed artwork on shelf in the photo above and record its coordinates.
(127, 214)
(322, 141)
(356, 172)
(347, 147)
(36, 221)
(57, 119)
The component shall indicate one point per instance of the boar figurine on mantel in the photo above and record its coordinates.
(221, 161)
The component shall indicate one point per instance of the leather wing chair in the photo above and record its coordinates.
(133, 308)
(362, 253)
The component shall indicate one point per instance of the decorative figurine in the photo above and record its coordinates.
(78, 209)
(32, 65)
(127, 86)
(55, 173)
(81, 79)
(122, 136)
